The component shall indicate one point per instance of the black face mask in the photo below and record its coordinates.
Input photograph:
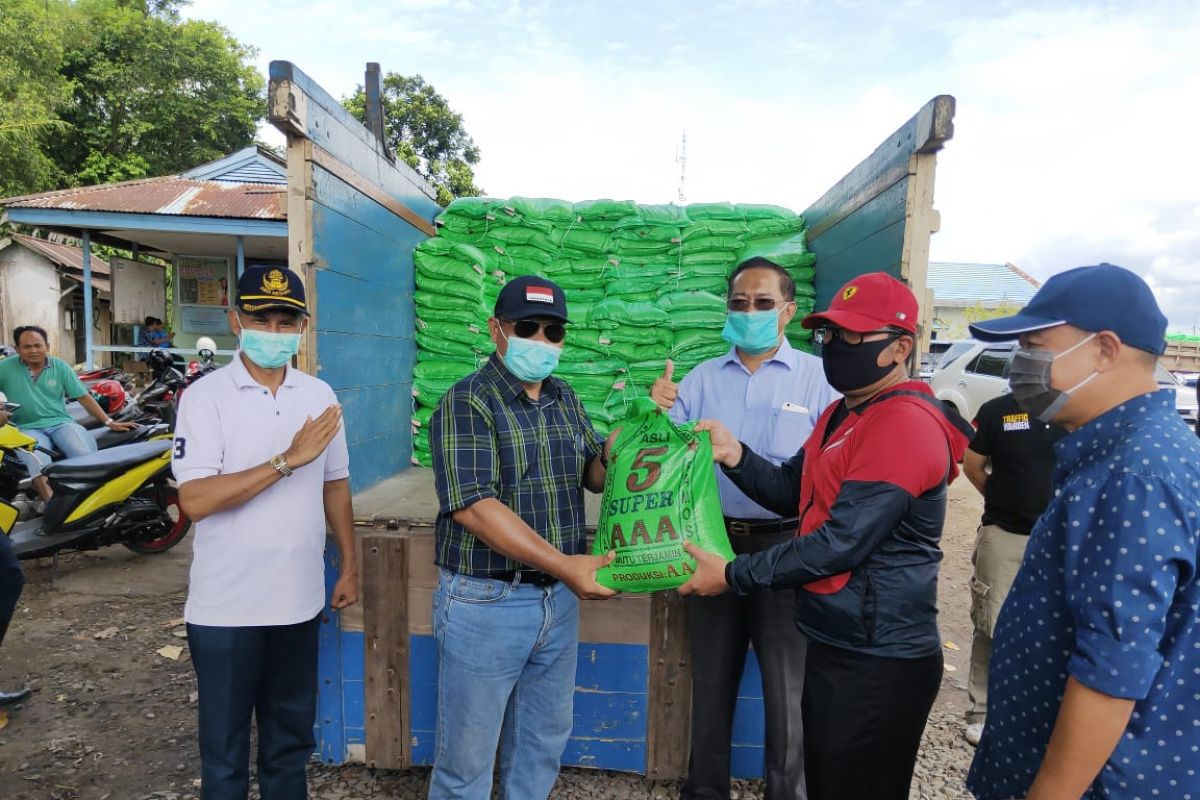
(854, 366)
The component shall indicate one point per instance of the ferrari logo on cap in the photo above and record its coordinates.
(849, 292)
(275, 283)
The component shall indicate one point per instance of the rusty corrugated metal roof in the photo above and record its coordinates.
(171, 195)
(64, 255)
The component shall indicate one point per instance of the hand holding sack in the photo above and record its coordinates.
(660, 492)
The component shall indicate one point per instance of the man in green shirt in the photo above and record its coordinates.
(41, 384)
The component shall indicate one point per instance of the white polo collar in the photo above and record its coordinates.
(243, 380)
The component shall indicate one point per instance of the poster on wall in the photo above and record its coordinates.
(205, 321)
(203, 281)
(139, 290)
(202, 292)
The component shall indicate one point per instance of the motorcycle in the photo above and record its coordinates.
(123, 495)
(15, 484)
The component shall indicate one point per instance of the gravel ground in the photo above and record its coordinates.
(113, 715)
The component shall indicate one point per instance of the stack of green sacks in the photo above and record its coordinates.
(644, 283)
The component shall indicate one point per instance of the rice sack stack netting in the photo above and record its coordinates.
(644, 283)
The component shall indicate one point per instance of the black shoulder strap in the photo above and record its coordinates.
(947, 411)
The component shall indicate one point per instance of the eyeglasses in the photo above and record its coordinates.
(758, 303)
(528, 328)
(825, 335)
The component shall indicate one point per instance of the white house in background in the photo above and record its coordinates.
(958, 287)
(41, 283)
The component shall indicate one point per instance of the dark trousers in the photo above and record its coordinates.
(12, 581)
(270, 672)
(864, 717)
(721, 628)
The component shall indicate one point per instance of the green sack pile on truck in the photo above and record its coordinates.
(660, 492)
(644, 283)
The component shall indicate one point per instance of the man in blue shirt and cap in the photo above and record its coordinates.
(1095, 672)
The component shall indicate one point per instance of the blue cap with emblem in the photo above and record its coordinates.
(1104, 297)
(268, 288)
(531, 296)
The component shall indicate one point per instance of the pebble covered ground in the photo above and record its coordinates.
(113, 715)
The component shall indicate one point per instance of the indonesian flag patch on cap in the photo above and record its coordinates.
(539, 294)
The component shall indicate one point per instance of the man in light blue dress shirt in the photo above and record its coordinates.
(770, 395)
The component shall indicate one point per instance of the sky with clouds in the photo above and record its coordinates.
(1077, 134)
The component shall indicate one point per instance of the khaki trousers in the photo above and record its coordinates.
(996, 559)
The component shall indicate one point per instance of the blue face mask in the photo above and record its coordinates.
(530, 360)
(753, 332)
(269, 350)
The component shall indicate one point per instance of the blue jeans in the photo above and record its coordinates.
(69, 438)
(270, 672)
(506, 675)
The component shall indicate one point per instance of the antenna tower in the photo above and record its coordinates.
(682, 159)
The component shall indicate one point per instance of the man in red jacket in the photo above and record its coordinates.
(870, 486)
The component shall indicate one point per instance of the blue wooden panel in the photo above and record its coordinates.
(612, 667)
(353, 704)
(342, 212)
(879, 252)
(359, 361)
(746, 762)
(422, 677)
(751, 685)
(882, 211)
(356, 736)
(331, 742)
(353, 657)
(422, 747)
(609, 715)
(749, 722)
(329, 125)
(622, 755)
(363, 308)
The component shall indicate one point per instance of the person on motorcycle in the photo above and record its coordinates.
(41, 384)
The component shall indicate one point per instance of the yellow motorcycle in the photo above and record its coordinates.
(122, 495)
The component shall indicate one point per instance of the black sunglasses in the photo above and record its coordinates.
(528, 328)
(758, 303)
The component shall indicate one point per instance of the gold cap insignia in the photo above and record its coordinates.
(849, 292)
(275, 283)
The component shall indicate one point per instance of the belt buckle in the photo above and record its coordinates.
(739, 527)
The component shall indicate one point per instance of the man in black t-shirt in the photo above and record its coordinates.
(1010, 462)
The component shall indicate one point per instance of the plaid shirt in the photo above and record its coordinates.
(489, 439)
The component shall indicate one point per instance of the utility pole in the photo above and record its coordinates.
(682, 159)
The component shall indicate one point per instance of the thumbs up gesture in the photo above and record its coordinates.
(664, 391)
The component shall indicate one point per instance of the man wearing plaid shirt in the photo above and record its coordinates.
(513, 450)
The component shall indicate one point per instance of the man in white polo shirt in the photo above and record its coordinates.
(262, 465)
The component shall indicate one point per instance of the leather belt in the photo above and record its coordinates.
(753, 527)
(529, 576)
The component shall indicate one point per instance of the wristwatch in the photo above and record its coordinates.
(280, 465)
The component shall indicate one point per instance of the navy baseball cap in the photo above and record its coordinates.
(1104, 297)
(531, 296)
(267, 288)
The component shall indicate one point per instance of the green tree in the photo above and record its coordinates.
(425, 133)
(151, 94)
(31, 90)
(979, 312)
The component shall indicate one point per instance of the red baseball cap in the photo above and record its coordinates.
(868, 303)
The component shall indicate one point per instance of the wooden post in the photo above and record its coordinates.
(385, 635)
(669, 701)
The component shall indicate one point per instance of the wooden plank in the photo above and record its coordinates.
(350, 620)
(624, 619)
(325, 160)
(669, 705)
(887, 167)
(926, 132)
(300, 240)
(385, 623)
(921, 221)
(300, 108)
